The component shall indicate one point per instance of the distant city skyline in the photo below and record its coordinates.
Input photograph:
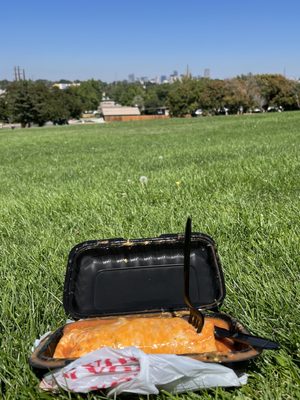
(111, 40)
(132, 77)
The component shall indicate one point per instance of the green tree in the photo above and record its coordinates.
(211, 95)
(59, 112)
(4, 84)
(4, 113)
(124, 92)
(236, 96)
(20, 104)
(182, 98)
(28, 102)
(162, 92)
(74, 102)
(257, 98)
(278, 91)
(156, 96)
(151, 103)
(64, 81)
(90, 93)
(41, 104)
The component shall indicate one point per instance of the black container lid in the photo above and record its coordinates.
(117, 277)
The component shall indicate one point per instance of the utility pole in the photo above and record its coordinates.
(19, 75)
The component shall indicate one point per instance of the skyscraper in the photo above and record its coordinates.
(131, 78)
(207, 73)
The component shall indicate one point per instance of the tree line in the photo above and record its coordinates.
(36, 102)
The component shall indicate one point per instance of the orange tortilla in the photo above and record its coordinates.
(151, 335)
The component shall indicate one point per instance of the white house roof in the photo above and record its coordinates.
(109, 103)
(119, 110)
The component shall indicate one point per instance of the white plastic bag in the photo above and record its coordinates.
(131, 370)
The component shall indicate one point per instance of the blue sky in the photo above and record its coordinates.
(110, 39)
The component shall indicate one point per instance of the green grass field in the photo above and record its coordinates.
(238, 177)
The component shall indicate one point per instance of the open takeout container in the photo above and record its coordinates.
(143, 277)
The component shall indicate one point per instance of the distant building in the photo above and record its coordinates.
(174, 77)
(188, 73)
(64, 86)
(106, 103)
(144, 79)
(162, 111)
(112, 111)
(131, 78)
(154, 80)
(207, 73)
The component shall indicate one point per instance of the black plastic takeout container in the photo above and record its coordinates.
(118, 277)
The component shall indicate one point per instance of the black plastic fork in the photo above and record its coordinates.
(196, 318)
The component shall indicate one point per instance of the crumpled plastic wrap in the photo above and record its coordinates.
(131, 370)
